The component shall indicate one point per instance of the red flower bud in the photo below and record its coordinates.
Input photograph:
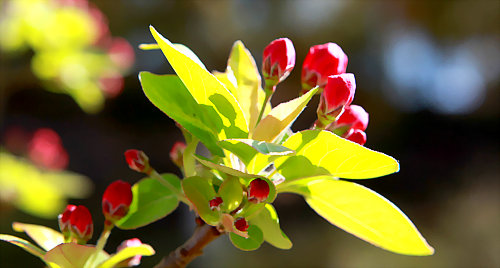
(258, 191)
(64, 222)
(116, 200)
(322, 61)
(278, 60)
(176, 153)
(357, 136)
(241, 224)
(354, 116)
(133, 261)
(215, 203)
(81, 224)
(137, 160)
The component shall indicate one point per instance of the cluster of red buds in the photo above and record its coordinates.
(76, 222)
(325, 67)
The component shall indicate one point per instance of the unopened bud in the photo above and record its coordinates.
(137, 160)
(258, 191)
(322, 61)
(116, 200)
(64, 221)
(278, 60)
(133, 261)
(177, 152)
(357, 136)
(338, 93)
(241, 224)
(215, 203)
(81, 224)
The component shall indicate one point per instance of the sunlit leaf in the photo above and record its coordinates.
(281, 117)
(199, 191)
(72, 255)
(365, 214)
(227, 117)
(23, 244)
(248, 89)
(268, 222)
(128, 252)
(151, 201)
(247, 149)
(253, 242)
(45, 237)
(231, 193)
(168, 93)
(319, 152)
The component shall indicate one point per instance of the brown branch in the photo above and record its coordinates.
(183, 255)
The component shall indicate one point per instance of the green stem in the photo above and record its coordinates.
(155, 175)
(104, 236)
(269, 89)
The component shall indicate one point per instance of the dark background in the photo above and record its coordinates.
(426, 71)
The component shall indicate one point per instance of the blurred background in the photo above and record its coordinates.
(427, 72)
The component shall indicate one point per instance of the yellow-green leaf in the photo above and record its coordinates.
(199, 191)
(128, 252)
(206, 90)
(45, 237)
(281, 117)
(365, 214)
(231, 193)
(23, 244)
(267, 220)
(248, 83)
(319, 152)
(72, 255)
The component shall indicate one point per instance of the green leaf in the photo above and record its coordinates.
(170, 95)
(128, 252)
(365, 214)
(247, 149)
(23, 244)
(224, 169)
(320, 152)
(267, 220)
(253, 242)
(281, 117)
(199, 191)
(207, 91)
(151, 201)
(231, 193)
(72, 255)
(248, 89)
(45, 237)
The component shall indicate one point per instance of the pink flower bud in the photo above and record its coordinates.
(137, 160)
(215, 203)
(64, 222)
(241, 224)
(177, 152)
(46, 150)
(134, 261)
(278, 60)
(116, 200)
(258, 191)
(354, 116)
(322, 61)
(357, 136)
(81, 224)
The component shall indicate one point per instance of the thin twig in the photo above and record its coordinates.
(183, 255)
